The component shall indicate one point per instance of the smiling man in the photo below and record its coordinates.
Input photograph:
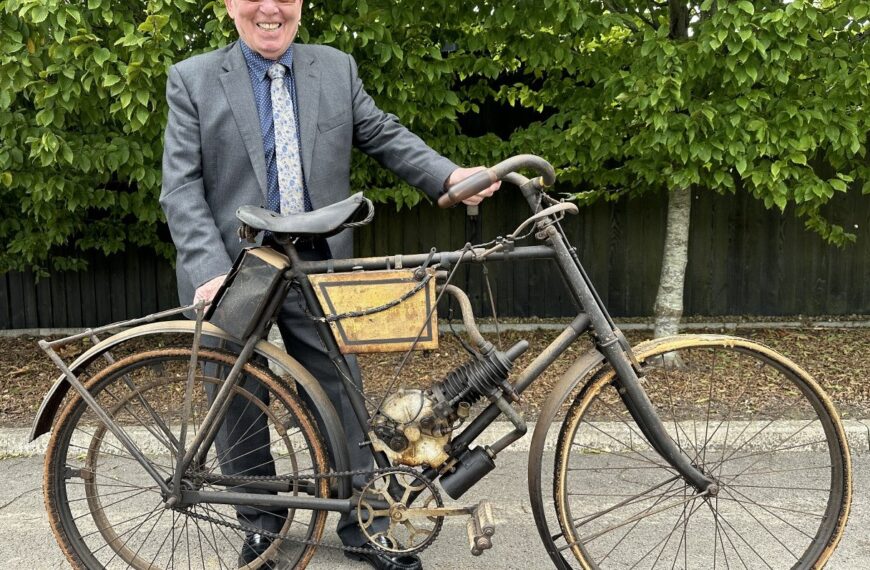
(268, 30)
(267, 121)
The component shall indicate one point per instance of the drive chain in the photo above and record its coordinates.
(277, 536)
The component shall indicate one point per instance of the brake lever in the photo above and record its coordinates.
(566, 207)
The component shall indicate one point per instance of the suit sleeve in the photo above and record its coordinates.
(201, 253)
(383, 137)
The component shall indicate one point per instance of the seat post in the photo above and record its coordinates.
(290, 250)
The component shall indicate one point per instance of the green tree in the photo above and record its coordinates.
(82, 111)
(766, 97)
(81, 120)
(623, 96)
(629, 97)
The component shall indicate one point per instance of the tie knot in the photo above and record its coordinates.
(277, 71)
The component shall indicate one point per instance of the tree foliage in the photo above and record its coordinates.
(81, 122)
(767, 97)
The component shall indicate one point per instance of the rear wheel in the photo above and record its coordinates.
(752, 420)
(106, 511)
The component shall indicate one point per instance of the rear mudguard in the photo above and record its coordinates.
(334, 435)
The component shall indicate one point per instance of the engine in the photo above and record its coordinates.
(400, 434)
(414, 427)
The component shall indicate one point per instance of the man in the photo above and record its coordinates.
(268, 121)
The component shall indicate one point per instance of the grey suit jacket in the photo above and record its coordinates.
(213, 158)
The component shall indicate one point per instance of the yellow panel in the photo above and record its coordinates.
(390, 330)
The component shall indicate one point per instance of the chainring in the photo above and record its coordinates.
(410, 530)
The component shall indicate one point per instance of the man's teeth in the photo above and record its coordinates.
(270, 26)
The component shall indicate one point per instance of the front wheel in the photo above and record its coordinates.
(749, 418)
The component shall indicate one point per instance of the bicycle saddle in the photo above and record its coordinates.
(356, 210)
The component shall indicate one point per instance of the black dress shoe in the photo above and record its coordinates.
(255, 545)
(385, 560)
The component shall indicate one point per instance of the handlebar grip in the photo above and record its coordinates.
(484, 178)
(467, 187)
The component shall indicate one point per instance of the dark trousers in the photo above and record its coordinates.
(243, 454)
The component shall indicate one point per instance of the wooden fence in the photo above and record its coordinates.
(744, 260)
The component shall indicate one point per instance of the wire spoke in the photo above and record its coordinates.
(767, 509)
(746, 542)
(104, 507)
(670, 534)
(768, 531)
(631, 500)
(661, 498)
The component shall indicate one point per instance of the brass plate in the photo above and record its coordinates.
(391, 330)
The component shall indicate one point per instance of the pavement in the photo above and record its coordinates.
(27, 542)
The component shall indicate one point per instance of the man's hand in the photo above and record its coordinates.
(207, 290)
(463, 173)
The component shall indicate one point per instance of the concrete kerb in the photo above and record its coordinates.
(13, 441)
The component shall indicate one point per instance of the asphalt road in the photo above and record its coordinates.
(27, 543)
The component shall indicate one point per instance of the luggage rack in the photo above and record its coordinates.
(49, 347)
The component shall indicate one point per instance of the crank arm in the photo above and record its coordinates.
(473, 511)
(438, 512)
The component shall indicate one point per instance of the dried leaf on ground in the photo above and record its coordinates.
(833, 356)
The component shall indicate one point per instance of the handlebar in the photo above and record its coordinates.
(482, 180)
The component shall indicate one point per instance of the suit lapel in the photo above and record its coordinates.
(307, 76)
(240, 95)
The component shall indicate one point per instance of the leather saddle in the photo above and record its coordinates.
(356, 210)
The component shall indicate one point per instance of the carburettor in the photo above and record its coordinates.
(414, 427)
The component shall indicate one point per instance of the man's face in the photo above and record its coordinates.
(267, 26)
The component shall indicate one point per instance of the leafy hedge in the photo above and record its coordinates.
(764, 96)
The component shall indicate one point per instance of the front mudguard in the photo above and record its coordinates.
(577, 375)
(582, 368)
(305, 381)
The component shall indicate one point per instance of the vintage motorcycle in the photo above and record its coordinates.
(643, 475)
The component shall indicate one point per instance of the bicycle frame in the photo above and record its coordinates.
(593, 317)
(609, 341)
(136, 400)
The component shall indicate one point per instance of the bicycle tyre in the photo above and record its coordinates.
(85, 466)
(788, 463)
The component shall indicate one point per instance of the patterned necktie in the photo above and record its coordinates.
(290, 197)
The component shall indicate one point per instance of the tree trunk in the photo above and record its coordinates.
(669, 300)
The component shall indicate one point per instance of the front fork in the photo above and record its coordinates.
(619, 355)
(644, 414)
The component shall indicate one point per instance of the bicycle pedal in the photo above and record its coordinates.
(481, 527)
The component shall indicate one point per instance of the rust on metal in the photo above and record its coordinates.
(392, 330)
